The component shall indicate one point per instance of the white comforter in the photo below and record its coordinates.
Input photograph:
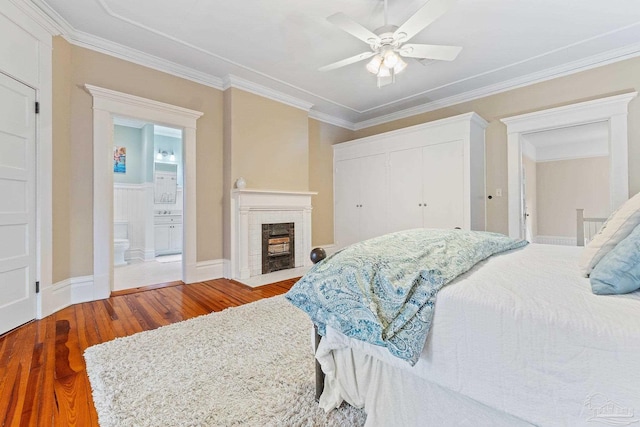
(522, 333)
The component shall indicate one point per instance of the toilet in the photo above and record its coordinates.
(120, 242)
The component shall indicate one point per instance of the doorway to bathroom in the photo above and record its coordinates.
(148, 190)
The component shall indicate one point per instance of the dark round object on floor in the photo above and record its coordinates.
(317, 255)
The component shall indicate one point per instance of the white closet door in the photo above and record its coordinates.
(17, 204)
(373, 196)
(443, 167)
(405, 189)
(347, 201)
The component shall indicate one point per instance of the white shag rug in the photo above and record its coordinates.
(250, 365)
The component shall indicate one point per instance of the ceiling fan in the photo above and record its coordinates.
(389, 42)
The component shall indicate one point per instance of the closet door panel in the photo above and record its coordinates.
(443, 168)
(405, 189)
(373, 196)
(347, 201)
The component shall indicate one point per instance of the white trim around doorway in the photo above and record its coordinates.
(612, 109)
(107, 104)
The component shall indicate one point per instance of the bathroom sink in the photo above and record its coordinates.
(164, 212)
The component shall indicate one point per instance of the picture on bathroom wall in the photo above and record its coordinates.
(120, 159)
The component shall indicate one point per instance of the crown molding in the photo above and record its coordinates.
(37, 14)
(248, 86)
(595, 61)
(117, 50)
(99, 44)
(261, 90)
(52, 22)
(332, 120)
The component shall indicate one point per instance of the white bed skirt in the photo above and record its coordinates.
(520, 334)
(394, 397)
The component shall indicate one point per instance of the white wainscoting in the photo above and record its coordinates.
(555, 240)
(130, 205)
(133, 203)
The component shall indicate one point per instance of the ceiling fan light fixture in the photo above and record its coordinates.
(390, 59)
(389, 43)
(384, 72)
(399, 67)
(374, 65)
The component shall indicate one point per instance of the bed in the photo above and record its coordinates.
(519, 339)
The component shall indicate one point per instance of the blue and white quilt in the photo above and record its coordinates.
(383, 290)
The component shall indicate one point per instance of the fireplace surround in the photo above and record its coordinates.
(250, 209)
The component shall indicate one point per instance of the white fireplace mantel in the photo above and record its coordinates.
(247, 205)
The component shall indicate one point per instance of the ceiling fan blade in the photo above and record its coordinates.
(352, 60)
(352, 27)
(428, 13)
(430, 51)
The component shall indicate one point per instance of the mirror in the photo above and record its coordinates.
(165, 183)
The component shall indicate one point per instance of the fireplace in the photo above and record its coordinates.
(278, 247)
(252, 208)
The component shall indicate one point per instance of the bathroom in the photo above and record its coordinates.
(147, 205)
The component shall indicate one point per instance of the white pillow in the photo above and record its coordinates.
(619, 225)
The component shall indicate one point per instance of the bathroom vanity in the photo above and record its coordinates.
(168, 232)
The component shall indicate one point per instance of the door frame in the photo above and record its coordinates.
(107, 104)
(612, 109)
(21, 309)
(36, 70)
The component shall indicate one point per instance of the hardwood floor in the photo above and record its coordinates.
(43, 381)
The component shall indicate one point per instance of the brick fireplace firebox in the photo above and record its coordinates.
(278, 247)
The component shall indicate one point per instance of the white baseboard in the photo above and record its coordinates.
(65, 293)
(209, 270)
(149, 254)
(140, 254)
(555, 240)
(82, 289)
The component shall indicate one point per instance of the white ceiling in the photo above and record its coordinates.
(278, 46)
(587, 140)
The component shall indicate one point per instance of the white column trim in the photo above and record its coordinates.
(107, 104)
(612, 109)
(243, 236)
(306, 229)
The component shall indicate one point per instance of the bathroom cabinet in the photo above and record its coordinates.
(168, 234)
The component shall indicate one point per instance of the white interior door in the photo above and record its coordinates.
(405, 189)
(17, 204)
(347, 202)
(443, 168)
(373, 196)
